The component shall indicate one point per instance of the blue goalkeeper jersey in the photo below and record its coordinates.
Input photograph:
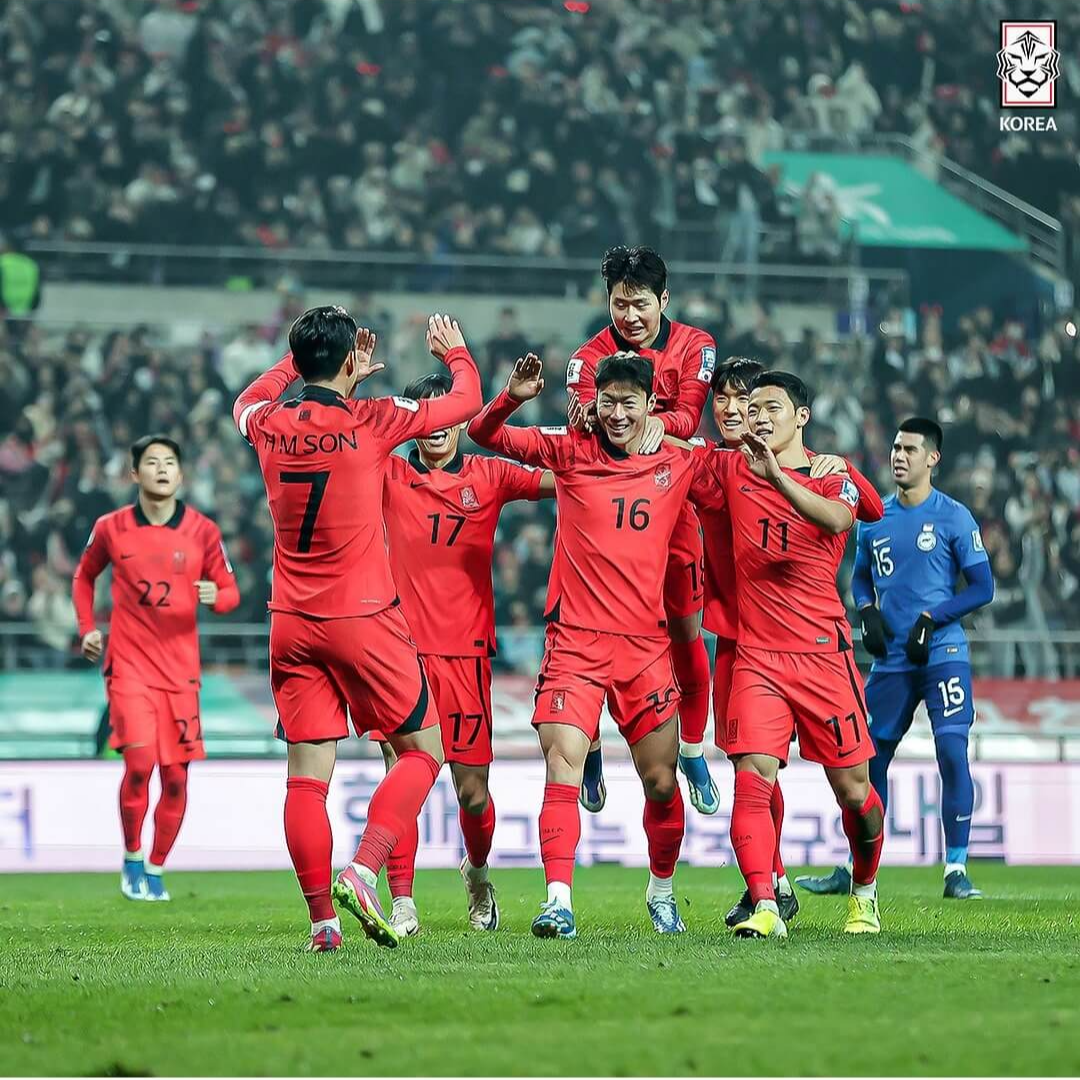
(911, 560)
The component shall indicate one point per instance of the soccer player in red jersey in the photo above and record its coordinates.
(166, 560)
(730, 401)
(793, 668)
(683, 359)
(338, 638)
(442, 508)
(607, 628)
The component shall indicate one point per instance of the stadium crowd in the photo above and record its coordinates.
(75, 401)
(331, 123)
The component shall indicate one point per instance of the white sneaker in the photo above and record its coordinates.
(483, 910)
(403, 917)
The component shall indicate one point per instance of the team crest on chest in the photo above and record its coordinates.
(662, 476)
(179, 562)
(927, 539)
(469, 499)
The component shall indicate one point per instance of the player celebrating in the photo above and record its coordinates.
(683, 359)
(606, 635)
(166, 560)
(904, 586)
(730, 401)
(442, 508)
(793, 666)
(337, 635)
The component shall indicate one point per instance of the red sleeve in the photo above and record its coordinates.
(545, 447)
(219, 570)
(707, 487)
(397, 419)
(841, 488)
(517, 481)
(871, 508)
(94, 559)
(581, 373)
(267, 388)
(698, 365)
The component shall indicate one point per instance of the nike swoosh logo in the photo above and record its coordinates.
(952, 712)
(883, 540)
(922, 637)
(127, 556)
(416, 483)
(746, 490)
(847, 753)
(963, 817)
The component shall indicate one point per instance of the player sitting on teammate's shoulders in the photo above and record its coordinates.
(904, 585)
(607, 629)
(442, 508)
(683, 358)
(167, 559)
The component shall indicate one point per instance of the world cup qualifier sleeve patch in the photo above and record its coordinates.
(708, 363)
(573, 371)
(407, 403)
(849, 493)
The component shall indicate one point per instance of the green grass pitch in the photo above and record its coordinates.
(216, 983)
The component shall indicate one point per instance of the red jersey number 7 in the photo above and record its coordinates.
(317, 481)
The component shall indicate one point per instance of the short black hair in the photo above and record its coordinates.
(797, 391)
(140, 446)
(636, 267)
(930, 430)
(625, 367)
(437, 384)
(320, 340)
(740, 371)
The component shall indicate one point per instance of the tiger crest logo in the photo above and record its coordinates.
(1028, 65)
(469, 499)
(662, 476)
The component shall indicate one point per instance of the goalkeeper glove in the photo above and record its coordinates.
(918, 642)
(875, 631)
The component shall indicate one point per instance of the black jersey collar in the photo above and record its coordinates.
(321, 395)
(659, 344)
(452, 466)
(612, 451)
(172, 523)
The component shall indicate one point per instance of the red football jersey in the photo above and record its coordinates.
(323, 460)
(785, 567)
(441, 526)
(721, 611)
(683, 358)
(616, 511)
(153, 639)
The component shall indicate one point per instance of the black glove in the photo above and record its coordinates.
(918, 641)
(875, 631)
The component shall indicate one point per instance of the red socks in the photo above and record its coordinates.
(401, 866)
(753, 837)
(690, 660)
(776, 808)
(135, 794)
(307, 835)
(169, 814)
(560, 831)
(478, 830)
(664, 826)
(395, 807)
(864, 829)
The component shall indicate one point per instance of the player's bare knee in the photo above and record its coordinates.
(684, 628)
(659, 783)
(472, 791)
(764, 766)
(851, 787)
(388, 755)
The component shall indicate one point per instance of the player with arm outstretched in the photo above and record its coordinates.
(442, 508)
(683, 359)
(793, 668)
(904, 586)
(167, 559)
(338, 638)
(607, 630)
(730, 401)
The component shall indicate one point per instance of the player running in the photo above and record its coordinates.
(607, 635)
(793, 668)
(442, 508)
(683, 360)
(730, 400)
(166, 560)
(338, 638)
(904, 585)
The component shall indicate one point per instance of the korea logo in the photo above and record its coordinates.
(927, 539)
(1028, 65)
(662, 476)
(179, 562)
(469, 499)
(558, 701)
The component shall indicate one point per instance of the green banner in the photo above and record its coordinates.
(891, 204)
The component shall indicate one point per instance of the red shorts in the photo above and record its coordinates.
(818, 695)
(582, 668)
(164, 720)
(461, 690)
(721, 688)
(684, 579)
(318, 667)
